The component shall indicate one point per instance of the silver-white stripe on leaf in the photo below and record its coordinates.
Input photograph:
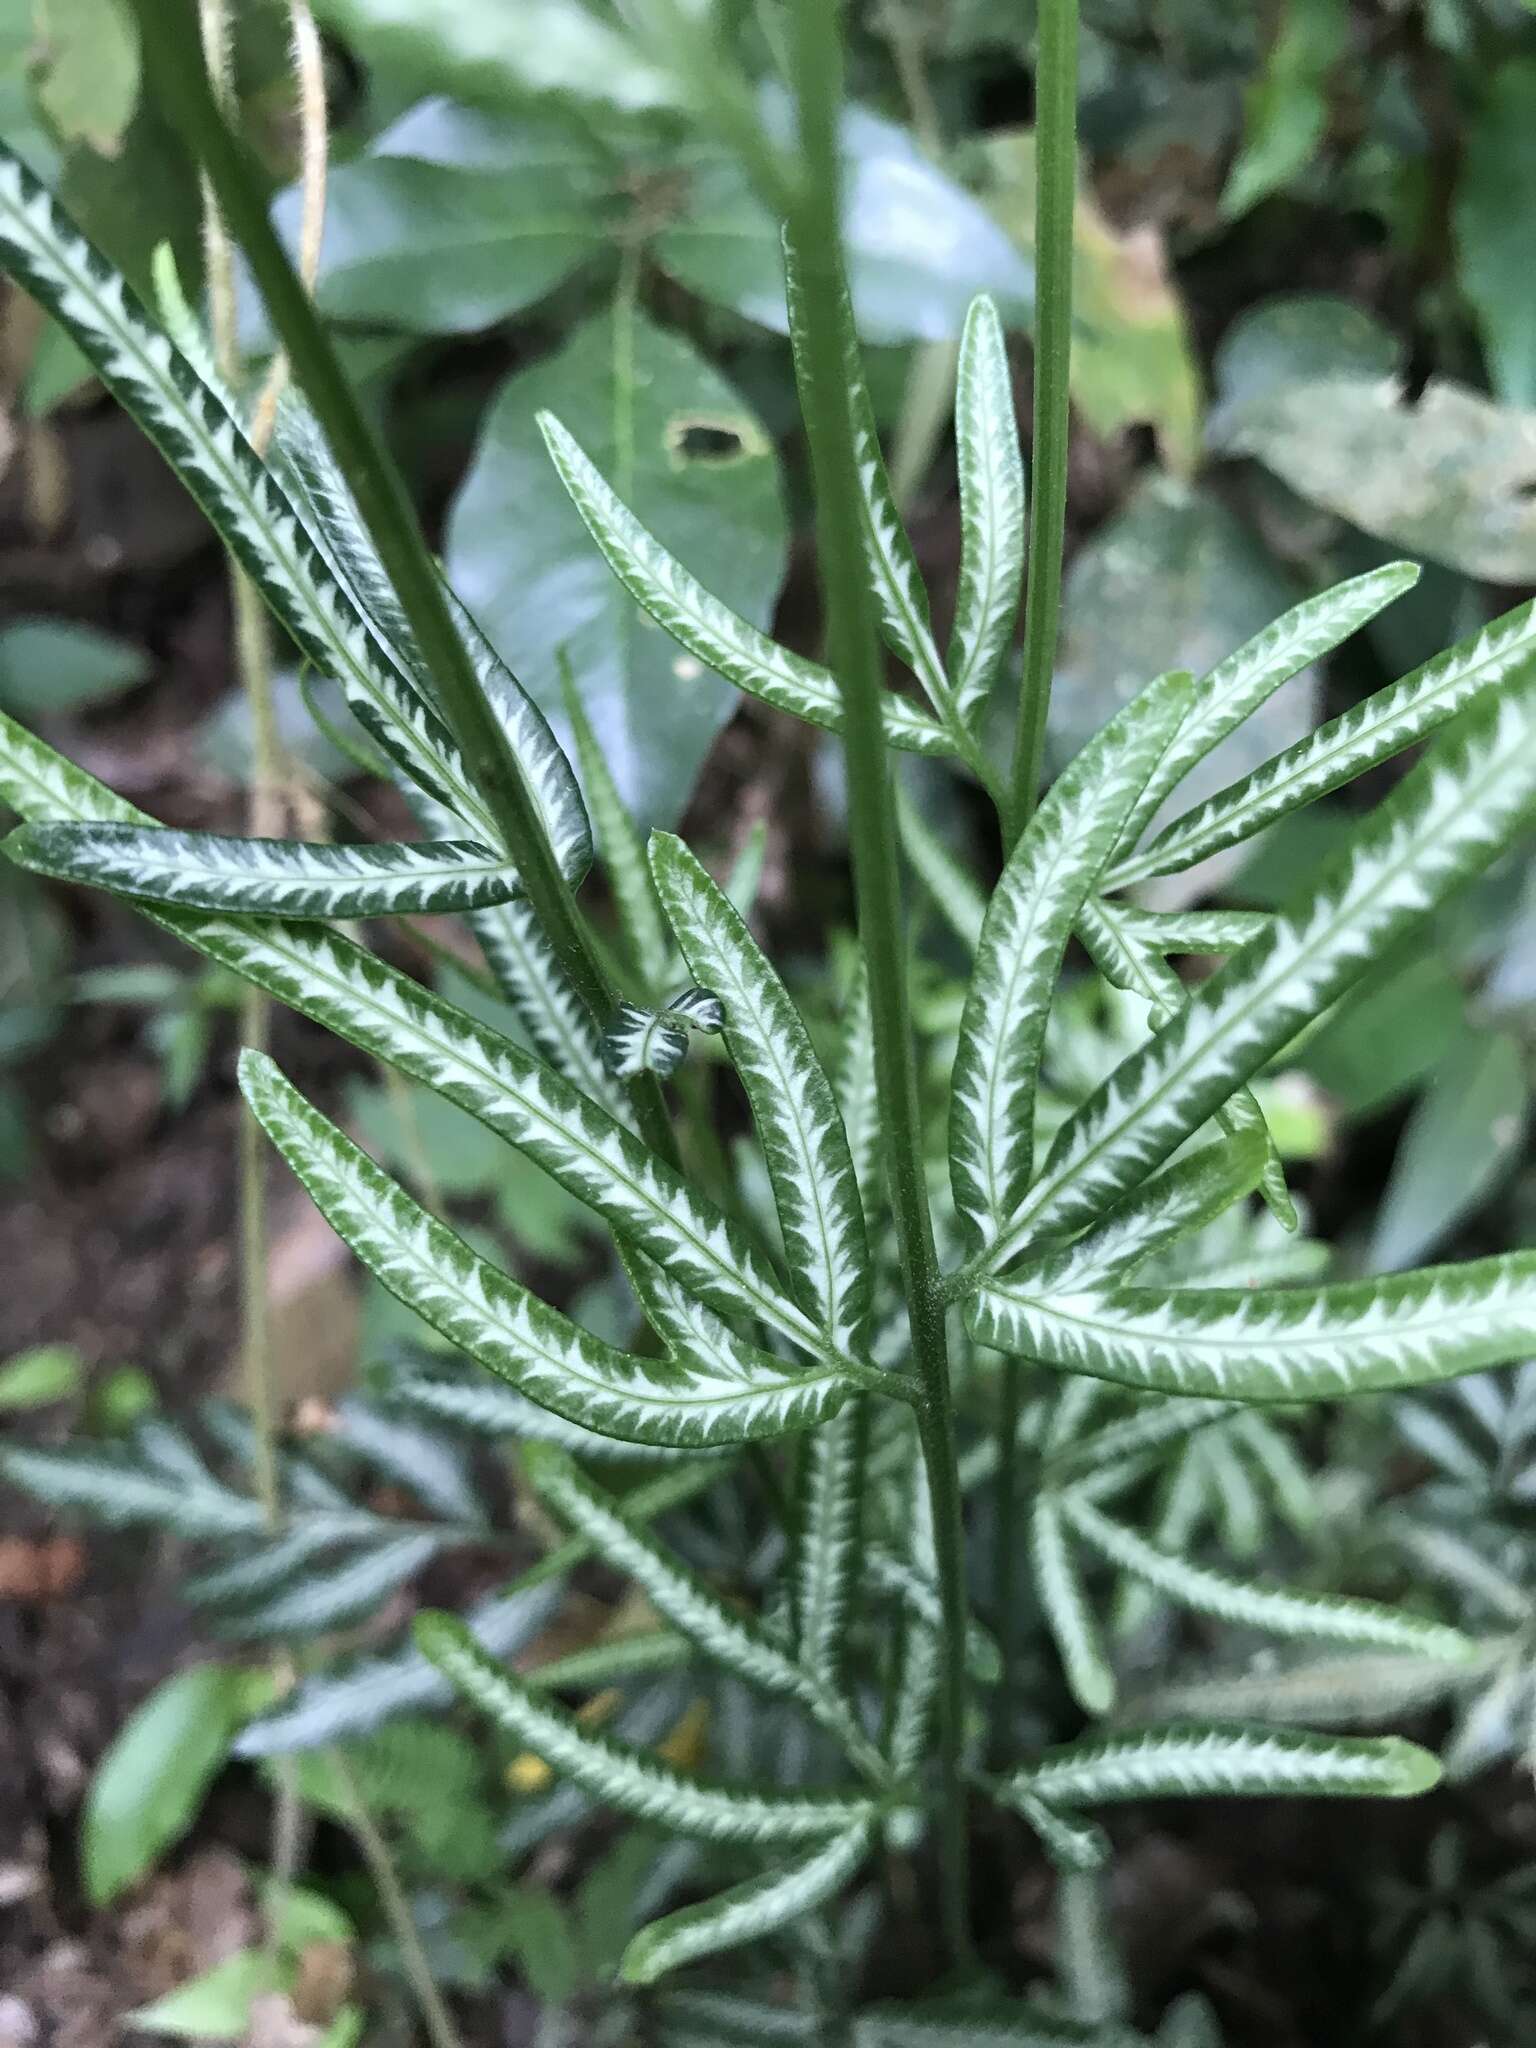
(992, 511)
(1282, 1344)
(710, 630)
(801, 1132)
(1018, 961)
(502, 1326)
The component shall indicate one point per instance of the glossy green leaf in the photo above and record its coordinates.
(802, 1136)
(215, 2006)
(1464, 1136)
(267, 877)
(704, 627)
(1442, 824)
(510, 1332)
(146, 1791)
(992, 514)
(1272, 1609)
(626, 1778)
(1064, 1603)
(1029, 921)
(690, 458)
(437, 249)
(725, 246)
(749, 1911)
(1233, 1761)
(1298, 1344)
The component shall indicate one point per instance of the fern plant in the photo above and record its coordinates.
(840, 1338)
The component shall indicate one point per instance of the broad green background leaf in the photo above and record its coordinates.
(88, 78)
(217, 2005)
(46, 1373)
(1172, 581)
(150, 1783)
(50, 666)
(416, 239)
(1448, 475)
(1287, 110)
(1463, 1136)
(484, 50)
(1131, 356)
(523, 561)
(1498, 169)
(919, 246)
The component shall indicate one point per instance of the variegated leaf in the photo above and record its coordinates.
(725, 1638)
(1236, 687)
(992, 516)
(370, 1005)
(641, 1041)
(506, 1329)
(629, 1779)
(1130, 963)
(858, 1099)
(1499, 657)
(1029, 921)
(1064, 1603)
(825, 1558)
(302, 458)
(802, 1135)
(1273, 1609)
(1184, 1197)
(1071, 1844)
(267, 877)
(1444, 823)
(1231, 1761)
(1286, 1344)
(708, 629)
(193, 428)
(748, 1911)
(700, 1009)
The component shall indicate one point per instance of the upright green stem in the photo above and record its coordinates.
(1055, 191)
(171, 60)
(854, 651)
(1055, 194)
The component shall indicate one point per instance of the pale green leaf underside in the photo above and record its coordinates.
(1444, 823)
(1239, 1762)
(708, 629)
(748, 1911)
(509, 1331)
(804, 1145)
(268, 877)
(1018, 961)
(992, 511)
(1275, 1610)
(1296, 1344)
(1499, 656)
(1238, 686)
(629, 1779)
